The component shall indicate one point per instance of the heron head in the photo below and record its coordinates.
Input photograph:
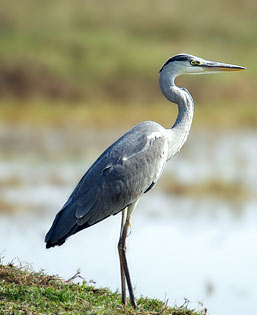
(188, 64)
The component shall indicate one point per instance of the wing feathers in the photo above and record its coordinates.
(86, 202)
(119, 177)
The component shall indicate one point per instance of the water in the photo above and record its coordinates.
(201, 247)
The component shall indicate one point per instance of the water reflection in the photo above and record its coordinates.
(198, 246)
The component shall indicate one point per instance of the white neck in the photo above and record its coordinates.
(178, 133)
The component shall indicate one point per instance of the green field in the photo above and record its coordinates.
(97, 62)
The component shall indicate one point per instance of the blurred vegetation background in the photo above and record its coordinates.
(96, 63)
(75, 75)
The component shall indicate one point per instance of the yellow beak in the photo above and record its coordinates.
(218, 66)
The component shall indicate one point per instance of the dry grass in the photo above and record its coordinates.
(22, 275)
(233, 190)
(7, 207)
(12, 181)
(112, 116)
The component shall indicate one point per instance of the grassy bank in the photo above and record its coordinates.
(24, 291)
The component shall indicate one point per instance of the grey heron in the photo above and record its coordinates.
(131, 166)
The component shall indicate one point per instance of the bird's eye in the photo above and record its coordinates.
(195, 62)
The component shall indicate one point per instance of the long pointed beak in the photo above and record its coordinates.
(218, 66)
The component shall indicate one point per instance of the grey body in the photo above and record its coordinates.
(124, 171)
(131, 166)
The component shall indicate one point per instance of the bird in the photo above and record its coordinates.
(132, 165)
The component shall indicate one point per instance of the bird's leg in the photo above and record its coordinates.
(122, 274)
(122, 254)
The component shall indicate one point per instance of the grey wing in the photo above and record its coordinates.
(126, 170)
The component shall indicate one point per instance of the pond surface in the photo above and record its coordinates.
(200, 245)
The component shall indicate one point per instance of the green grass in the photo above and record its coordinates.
(114, 51)
(92, 62)
(26, 292)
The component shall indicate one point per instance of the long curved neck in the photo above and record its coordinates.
(178, 133)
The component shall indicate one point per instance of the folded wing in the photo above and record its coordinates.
(126, 170)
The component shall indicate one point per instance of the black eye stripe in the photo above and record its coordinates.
(176, 58)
